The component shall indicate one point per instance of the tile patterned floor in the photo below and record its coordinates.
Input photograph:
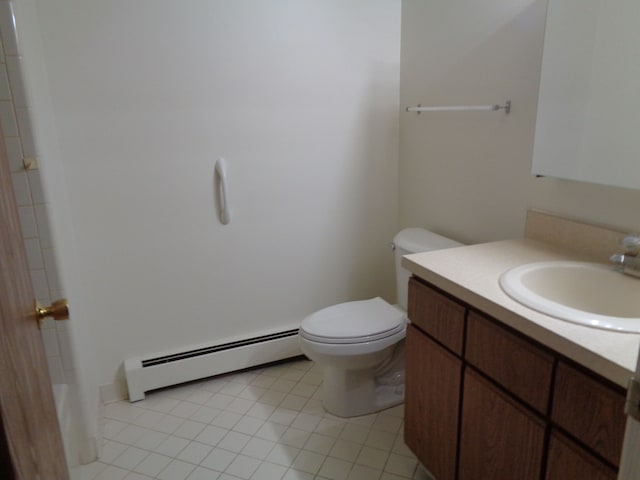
(262, 424)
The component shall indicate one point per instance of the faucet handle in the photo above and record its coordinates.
(632, 244)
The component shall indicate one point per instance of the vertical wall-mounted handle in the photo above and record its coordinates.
(220, 184)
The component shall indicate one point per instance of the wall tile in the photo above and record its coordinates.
(21, 188)
(26, 136)
(28, 221)
(50, 340)
(14, 153)
(34, 254)
(55, 370)
(64, 343)
(8, 119)
(5, 92)
(40, 283)
(43, 225)
(35, 185)
(52, 269)
(15, 80)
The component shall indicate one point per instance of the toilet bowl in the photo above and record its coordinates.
(360, 344)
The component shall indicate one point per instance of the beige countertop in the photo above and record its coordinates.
(471, 274)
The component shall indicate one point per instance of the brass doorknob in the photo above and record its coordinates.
(58, 310)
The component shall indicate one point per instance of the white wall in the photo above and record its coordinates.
(468, 175)
(300, 97)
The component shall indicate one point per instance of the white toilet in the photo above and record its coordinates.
(360, 344)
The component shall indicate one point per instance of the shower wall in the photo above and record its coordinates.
(32, 205)
(139, 99)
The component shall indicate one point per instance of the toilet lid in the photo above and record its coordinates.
(353, 322)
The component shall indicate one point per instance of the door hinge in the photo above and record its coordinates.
(632, 407)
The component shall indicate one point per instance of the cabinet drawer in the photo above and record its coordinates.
(590, 410)
(436, 314)
(567, 461)
(516, 364)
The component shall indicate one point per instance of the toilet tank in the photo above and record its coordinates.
(414, 240)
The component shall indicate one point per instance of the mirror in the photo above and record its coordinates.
(588, 124)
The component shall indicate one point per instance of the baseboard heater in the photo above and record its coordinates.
(171, 368)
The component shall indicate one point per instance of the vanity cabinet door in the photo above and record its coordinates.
(567, 461)
(589, 410)
(500, 438)
(433, 377)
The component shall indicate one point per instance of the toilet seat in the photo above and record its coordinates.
(354, 322)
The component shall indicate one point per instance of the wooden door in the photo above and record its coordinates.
(30, 442)
(432, 397)
(499, 438)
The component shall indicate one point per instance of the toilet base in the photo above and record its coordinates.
(351, 393)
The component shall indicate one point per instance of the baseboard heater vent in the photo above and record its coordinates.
(171, 368)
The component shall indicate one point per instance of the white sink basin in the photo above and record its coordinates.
(586, 293)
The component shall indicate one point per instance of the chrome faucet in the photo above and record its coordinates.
(629, 261)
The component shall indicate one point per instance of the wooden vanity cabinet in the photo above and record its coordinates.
(484, 401)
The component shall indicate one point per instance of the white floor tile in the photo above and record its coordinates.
(211, 435)
(345, 450)
(153, 464)
(176, 470)
(112, 473)
(283, 416)
(136, 476)
(248, 425)
(172, 446)
(362, 472)
(189, 429)
(262, 424)
(243, 466)
(150, 440)
(319, 443)
(111, 451)
(200, 473)
(293, 474)
(354, 433)
(294, 437)
(258, 448)
(168, 424)
(380, 439)
(283, 454)
(294, 402)
(131, 457)
(308, 461)
(226, 419)
(234, 441)
(269, 471)
(218, 459)
(185, 409)
(372, 457)
(205, 414)
(401, 465)
(195, 452)
(335, 469)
